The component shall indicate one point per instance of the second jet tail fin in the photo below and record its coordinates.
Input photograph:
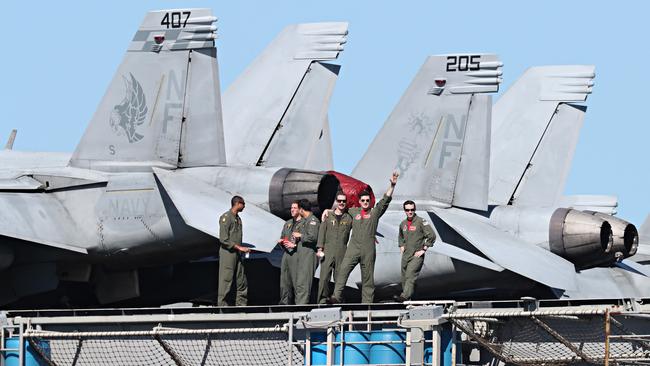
(438, 135)
(285, 85)
(534, 134)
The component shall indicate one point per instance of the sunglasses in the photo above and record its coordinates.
(409, 210)
(341, 201)
(364, 200)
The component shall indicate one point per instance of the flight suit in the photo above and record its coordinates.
(333, 237)
(307, 261)
(230, 261)
(288, 266)
(413, 236)
(361, 250)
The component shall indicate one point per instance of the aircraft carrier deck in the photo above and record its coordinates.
(522, 332)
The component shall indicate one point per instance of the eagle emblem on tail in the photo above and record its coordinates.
(127, 116)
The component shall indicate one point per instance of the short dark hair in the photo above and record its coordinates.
(365, 192)
(235, 200)
(408, 202)
(295, 202)
(304, 204)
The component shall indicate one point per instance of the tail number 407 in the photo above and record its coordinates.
(463, 63)
(176, 19)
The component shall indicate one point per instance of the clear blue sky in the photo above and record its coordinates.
(58, 57)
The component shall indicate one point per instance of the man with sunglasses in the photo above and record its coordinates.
(333, 238)
(361, 248)
(230, 251)
(415, 237)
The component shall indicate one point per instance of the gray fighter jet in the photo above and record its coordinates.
(156, 166)
(494, 192)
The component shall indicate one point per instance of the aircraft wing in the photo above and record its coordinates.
(40, 218)
(527, 260)
(201, 204)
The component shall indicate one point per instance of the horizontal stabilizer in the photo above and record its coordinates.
(256, 103)
(42, 219)
(503, 249)
(455, 252)
(201, 204)
(22, 183)
(633, 266)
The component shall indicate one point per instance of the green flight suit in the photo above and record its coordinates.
(288, 266)
(361, 250)
(333, 237)
(307, 261)
(230, 261)
(413, 237)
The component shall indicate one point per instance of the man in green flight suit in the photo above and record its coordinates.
(230, 250)
(333, 238)
(361, 248)
(289, 264)
(307, 231)
(415, 237)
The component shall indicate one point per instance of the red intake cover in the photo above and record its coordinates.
(352, 187)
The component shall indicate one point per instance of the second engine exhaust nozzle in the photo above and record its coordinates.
(625, 235)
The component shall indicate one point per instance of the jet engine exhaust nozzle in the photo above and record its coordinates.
(584, 239)
(288, 185)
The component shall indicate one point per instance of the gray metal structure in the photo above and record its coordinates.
(523, 332)
(162, 156)
(156, 166)
(493, 191)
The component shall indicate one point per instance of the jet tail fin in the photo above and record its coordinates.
(163, 106)
(305, 123)
(261, 100)
(11, 139)
(438, 135)
(534, 133)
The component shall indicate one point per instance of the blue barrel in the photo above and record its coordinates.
(31, 356)
(388, 353)
(446, 344)
(318, 348)
(353, 354)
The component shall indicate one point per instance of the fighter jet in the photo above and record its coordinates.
(492, 193)
(153, 170)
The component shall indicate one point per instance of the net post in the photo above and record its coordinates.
(21, 346)
(330, 346)
(607, 334)
(290, 342)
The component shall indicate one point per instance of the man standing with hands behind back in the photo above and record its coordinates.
(230, 262)
(361, 248)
